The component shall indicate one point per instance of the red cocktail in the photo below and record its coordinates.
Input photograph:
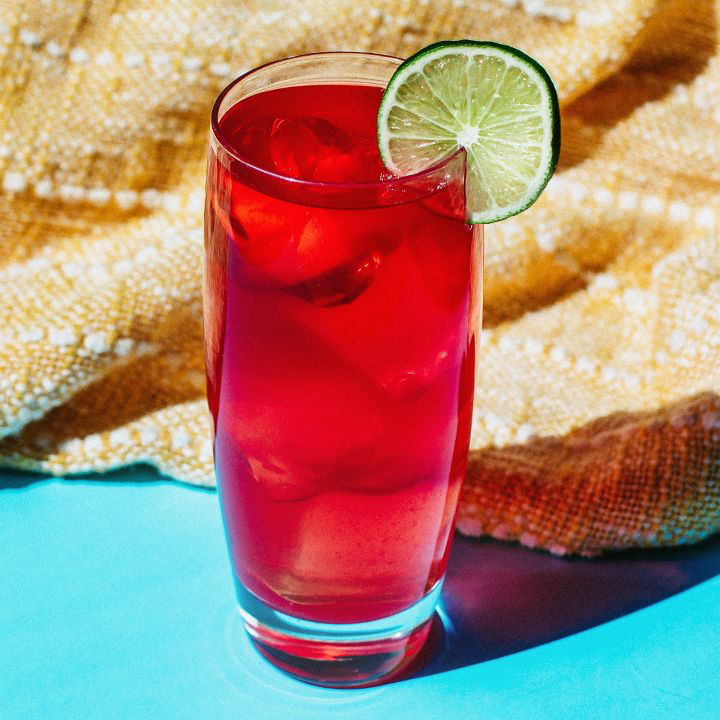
(342, 312)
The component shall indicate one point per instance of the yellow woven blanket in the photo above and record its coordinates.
(597, 420)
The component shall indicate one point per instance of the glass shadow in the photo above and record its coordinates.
(501, 598)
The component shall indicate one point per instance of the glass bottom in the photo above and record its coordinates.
(340, 655)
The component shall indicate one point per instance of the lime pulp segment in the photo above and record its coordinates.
(491, 99)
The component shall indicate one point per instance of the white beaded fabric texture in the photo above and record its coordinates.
(597, 418)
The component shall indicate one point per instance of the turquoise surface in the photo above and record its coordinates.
(116, 602)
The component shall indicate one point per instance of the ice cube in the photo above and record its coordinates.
(262, 226)
(311, 148)
(251, 141)
(294, 409)
(406, 328)
(327, 257)
(341, 284)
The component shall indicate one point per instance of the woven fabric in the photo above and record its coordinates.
(597, 418)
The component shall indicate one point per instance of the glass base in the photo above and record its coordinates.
(340, 655)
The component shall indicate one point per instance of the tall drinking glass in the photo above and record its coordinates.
(342, 310)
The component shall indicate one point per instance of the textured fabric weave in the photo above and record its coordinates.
(597, 419)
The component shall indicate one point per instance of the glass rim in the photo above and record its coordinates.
(395, 181)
